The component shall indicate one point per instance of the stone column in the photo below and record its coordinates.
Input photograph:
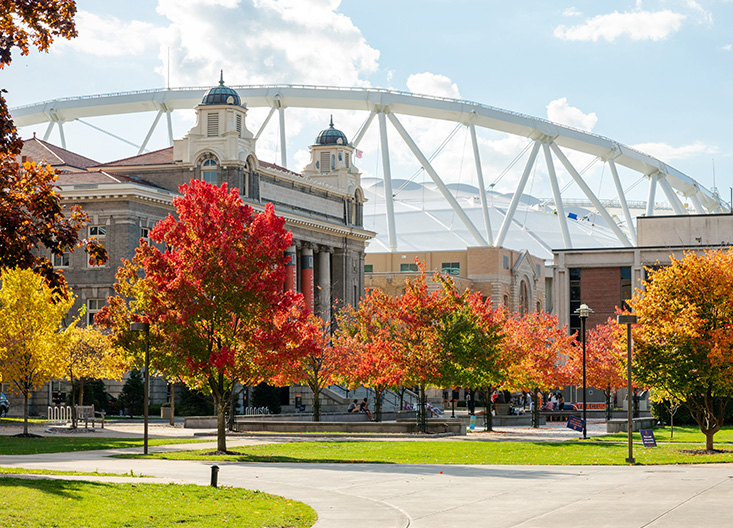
(291, 269)
(324, 283)
(306, 277)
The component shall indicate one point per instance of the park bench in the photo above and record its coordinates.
(88, 414)
(558, 416)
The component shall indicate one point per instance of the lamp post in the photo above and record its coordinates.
(628, 320)
(583, 312)
(145, 327)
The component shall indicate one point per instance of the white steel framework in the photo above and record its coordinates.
(386, 105)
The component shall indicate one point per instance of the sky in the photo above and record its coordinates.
(655, 75)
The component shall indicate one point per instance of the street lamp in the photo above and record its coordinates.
(145, 327)
(583, 312)
(628, 320)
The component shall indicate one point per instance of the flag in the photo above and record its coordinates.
(359, 153)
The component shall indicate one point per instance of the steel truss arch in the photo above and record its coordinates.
(391, 103)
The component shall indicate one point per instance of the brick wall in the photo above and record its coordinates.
(600, 289)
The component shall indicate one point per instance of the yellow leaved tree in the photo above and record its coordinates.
(32, 340)
(90, 354)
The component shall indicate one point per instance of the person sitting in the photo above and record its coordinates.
(364, 407)
(560, 401)
(435, 412)
(353, 406)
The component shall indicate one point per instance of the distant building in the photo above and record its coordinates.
(514, 279)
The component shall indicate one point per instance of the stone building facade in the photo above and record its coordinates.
(126, 198)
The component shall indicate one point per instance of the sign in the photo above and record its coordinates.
(647, 438)
(472, 423)
(575, 423)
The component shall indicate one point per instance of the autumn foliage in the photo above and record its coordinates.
(213, 296)
(683, 344)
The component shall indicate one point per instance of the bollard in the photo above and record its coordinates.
(214, 475)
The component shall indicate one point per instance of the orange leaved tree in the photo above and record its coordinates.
(537, 349)
(683, 344)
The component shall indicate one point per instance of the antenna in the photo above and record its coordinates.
(168, 79)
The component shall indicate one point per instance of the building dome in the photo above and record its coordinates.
(220, 95)
(331, 136)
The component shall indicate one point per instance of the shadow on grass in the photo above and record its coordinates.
(66, 489)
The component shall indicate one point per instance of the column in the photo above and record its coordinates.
(324, 283)
(306, 277)
(291, 269)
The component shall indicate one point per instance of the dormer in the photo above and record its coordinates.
(220, 132)
(332, 162)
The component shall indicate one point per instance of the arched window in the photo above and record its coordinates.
(523, 298)
(209, 171)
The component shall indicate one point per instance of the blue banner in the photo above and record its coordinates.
(647, 438)
(472, 423)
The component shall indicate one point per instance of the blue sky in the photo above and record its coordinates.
(654, 74)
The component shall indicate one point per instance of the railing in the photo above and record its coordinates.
(250, 411)
(59, 414)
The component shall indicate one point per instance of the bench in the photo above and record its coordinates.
(88, 414)
(559, 416)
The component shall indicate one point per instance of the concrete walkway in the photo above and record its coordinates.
(427, 496)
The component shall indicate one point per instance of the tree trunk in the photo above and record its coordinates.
(378, 405)
(671, 425)
(25, 412)
(489, 410)
(422, 417)
(74, 415)
(173, 403)
(607, 393)
(709, 434)
(221, 424)
(535, 409)
(316, 405)
(81, 392)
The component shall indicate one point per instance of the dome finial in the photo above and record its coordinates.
(221, 78)
(331, 123)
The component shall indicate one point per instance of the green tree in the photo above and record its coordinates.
(132, 397)
(683, 344)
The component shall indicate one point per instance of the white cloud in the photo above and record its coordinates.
(727, 47)
(571, 11)
(432, 84)
(559, 111)
(636, 25)
(704, 16)
(109, 36)
(666, 152)
(265, 41)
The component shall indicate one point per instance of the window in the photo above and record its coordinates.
(368, 268)
(348, 160)
(506, 262)
(239, 125)
(408, 267)
(61, 261)
(574, 276)
(523, 298)
(98, 231)
(539, 271)
(625, 286)
(333, 162)
(145, 233)
(451, 268)
(324, 161)
(93, 306)
(209, 171)
(212, 125)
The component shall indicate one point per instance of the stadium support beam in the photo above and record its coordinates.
(170, 127)
(436, 179)
(61, 132)
(360, 134)
(481, 186)
(559, 207)
(592, 197)
(283, 151)
(264, 123)
(150, 132)
(651, 194)
(517, 194)
(697, 204)
(674, 200)
(622, 200)
(49, 128)
(388, 195)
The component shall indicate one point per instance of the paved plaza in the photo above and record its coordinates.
(426, 496)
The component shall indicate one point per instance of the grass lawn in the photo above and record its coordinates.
(457, 452)
(10, 445)
(689, 434)
(58, 503)
(27, 471)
